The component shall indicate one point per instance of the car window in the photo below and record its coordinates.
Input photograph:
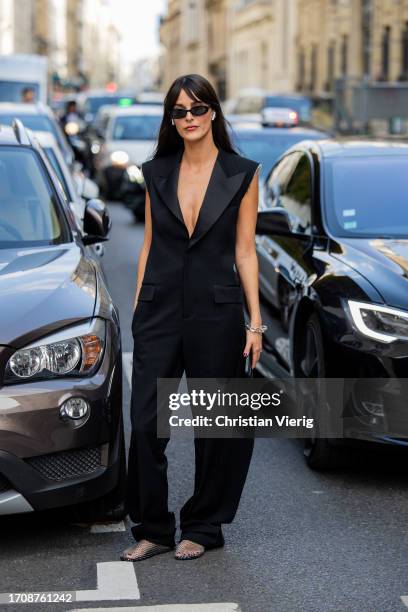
(29, 211)
(366, 197)
(58, 171)
(11, 91)
(296, 196)
(37, 123)
(93, 104)
(278, 179)
(136, 127)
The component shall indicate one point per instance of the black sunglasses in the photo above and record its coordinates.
(196, 111)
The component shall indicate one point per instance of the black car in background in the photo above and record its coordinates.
(267, 144)
(332, 245)
(89, 102)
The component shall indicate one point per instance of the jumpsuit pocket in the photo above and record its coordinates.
(146, 294)
(228, 294)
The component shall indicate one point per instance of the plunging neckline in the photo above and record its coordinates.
(203, 200)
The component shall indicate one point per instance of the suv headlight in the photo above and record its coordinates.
(381, 323)
(74, 351)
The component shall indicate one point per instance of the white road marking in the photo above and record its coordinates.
(204, 607)
(127, 361)
(404, 599)
(107, 527)
(115, 580)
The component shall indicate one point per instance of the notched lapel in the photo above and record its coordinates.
(166, 185)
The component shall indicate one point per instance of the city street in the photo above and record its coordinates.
(301, 540)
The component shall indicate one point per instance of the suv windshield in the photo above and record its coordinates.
(93, 104)
(11, 91)
(29, 212)
(367, 197)
(136, 127)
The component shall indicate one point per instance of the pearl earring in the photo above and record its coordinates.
(172, 122)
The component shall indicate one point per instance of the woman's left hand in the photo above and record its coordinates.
(253, 344)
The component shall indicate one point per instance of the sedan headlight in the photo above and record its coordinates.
(381, 323)
(135, 174)
(74, 351)
(119, 158)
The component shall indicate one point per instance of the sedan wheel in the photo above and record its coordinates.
(318, 452)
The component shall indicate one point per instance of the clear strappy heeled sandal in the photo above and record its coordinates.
(187, 549)
(143, 550)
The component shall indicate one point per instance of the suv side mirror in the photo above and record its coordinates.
(97, 222)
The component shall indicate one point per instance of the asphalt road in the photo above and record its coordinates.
(301, 541)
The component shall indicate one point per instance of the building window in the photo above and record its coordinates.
(301, 70)
(344, 55)
(264, 62)
(404, 53)
(313, 68)
(366, 30)
(330, 66)
(385, 54)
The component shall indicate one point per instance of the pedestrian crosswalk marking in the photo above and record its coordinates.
(115, 580)
(202, 607)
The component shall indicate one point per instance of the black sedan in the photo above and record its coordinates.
(61, 424)
(332, 245)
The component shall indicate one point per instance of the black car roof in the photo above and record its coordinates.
(264, 132)
(329, 148)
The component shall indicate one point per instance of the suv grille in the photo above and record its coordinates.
(67, 464)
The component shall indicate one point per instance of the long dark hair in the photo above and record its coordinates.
(198, 88)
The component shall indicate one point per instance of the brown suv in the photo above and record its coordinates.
(61, 425)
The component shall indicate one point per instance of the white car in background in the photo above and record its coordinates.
(130, 138)
(38, 117)
(76, 187)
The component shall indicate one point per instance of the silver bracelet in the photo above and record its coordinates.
(258, 330)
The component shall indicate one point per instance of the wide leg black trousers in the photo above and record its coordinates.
(221, 464)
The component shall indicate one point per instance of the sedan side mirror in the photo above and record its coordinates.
(273, 221)
(97, 222)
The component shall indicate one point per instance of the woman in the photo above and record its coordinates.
(201, 210)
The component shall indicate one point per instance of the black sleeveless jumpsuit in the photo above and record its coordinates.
(189, 317)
